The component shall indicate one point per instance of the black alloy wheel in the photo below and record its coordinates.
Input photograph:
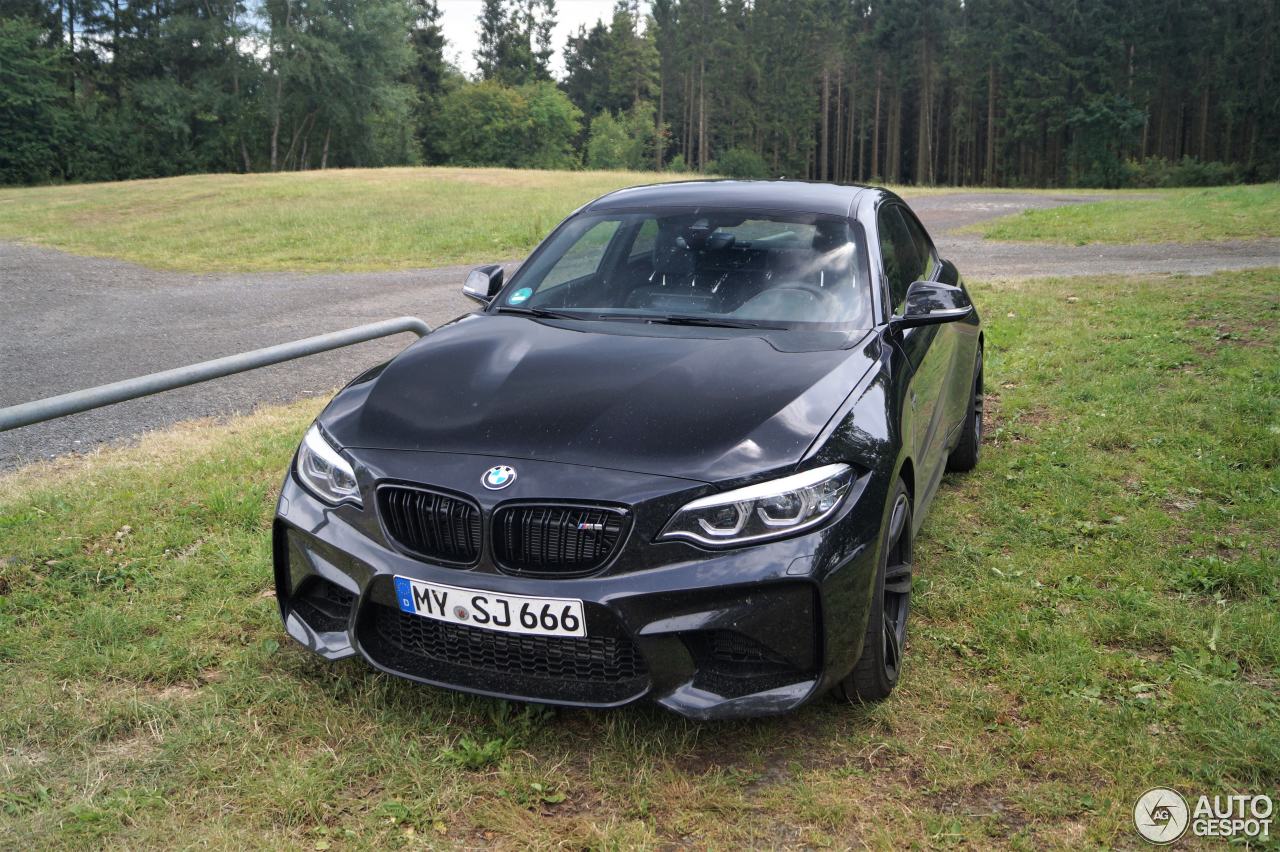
(965, 456)
(880, 665)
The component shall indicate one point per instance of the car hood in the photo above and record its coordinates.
(694, 403)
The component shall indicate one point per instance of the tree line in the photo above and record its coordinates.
(989, 92)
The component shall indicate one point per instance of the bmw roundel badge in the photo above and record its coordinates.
(497, 478)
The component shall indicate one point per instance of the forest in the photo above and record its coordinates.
(1091, 93)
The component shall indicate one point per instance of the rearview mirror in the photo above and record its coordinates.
(930, 303)
(483, 283)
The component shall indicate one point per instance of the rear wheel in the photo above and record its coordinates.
(965, 456)
(880, 665)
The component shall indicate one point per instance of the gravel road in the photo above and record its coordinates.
(72, 322)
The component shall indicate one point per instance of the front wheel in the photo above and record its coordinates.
(880, 665)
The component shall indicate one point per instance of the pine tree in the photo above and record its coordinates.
(427, 75)
(495, 24)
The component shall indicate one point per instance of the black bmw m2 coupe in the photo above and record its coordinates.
(679, 456)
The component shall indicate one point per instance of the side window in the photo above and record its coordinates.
(645, 238)
(902, 264)
(583, 257)
(924, 246)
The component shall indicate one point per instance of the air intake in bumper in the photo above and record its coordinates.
(324, 606)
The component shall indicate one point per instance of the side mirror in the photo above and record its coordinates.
(483, 283)
(930, 303)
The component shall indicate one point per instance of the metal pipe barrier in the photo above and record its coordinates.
(83, 400)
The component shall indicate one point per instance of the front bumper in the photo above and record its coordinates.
(745, 632)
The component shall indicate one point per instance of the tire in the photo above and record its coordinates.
(880, 665)
(966, 454)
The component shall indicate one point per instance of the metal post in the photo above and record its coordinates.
(84, 400)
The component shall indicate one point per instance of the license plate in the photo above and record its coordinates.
(491, 610)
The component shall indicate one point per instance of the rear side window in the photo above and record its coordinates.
(902, 262)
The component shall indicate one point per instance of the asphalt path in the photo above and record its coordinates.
(71, 322)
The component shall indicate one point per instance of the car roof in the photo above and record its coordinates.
(795, 195)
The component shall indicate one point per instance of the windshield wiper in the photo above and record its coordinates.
(712, 322)
(709, 322)
(537, 312)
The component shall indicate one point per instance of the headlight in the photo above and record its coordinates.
(771, 509)
(324, 472)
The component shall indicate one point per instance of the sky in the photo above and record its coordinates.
(460, 20)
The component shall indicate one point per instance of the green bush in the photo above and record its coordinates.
(623, 142)
(608, 144)
(740, 163)
(1189, 171)
(526, 127)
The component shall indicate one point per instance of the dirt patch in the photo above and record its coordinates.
(188, 551)
(1014, 427)
(138, 746)
(212, 675)
(1269, 682)
(1150, 651)
(1178, 505)
(775, 773)
(979, 802)
(16, 759)
(109, 543)
(991, 419)
(177, 692)
(1035, 417)
(1233, 333)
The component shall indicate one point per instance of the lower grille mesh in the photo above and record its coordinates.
(595, 669)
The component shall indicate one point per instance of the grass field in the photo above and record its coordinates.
(1096, 613)
(1178, 215)
(337, 220)
(377, 219)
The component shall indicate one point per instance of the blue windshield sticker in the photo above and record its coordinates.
(521, 295)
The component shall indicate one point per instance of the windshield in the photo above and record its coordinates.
(703, 267)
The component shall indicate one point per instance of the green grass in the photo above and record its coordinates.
(1182, 215)
(337, 220)
(331, 221)
(1096, 613)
